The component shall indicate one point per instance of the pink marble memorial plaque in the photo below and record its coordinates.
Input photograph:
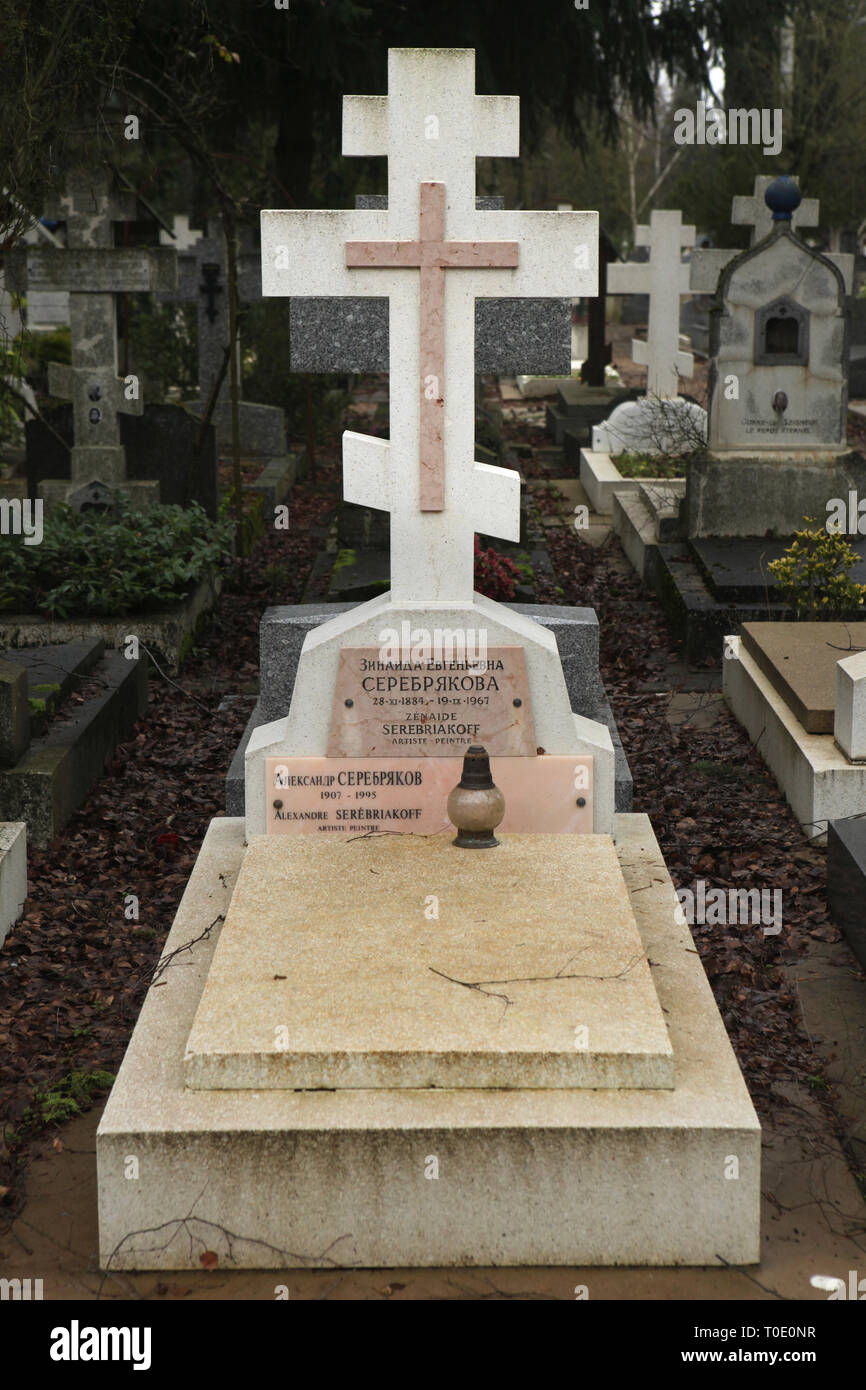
(436, 707)
(332, 796)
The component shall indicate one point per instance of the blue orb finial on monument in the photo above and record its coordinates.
(783, 197)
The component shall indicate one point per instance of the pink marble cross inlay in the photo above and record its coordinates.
(432, 255)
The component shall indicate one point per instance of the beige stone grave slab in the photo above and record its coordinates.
(799, 660)
(286, 1179)
(331, 970)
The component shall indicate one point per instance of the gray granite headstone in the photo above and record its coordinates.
(351, 334)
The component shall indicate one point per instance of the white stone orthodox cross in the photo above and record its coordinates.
(432, 255)
(664, 278)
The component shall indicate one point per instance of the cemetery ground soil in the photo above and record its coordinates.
(73, 971)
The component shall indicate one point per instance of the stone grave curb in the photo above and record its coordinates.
(601, 478)
(698, 620)
(52, 779)
(557, 1177)
(634, 523)
(846, 879)
(168, 633)
(276, 480)
(642, 520)
(13, 874)
(819, 783)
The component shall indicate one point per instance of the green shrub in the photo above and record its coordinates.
(38, 349)
(651, 466)
(814, 574)
(91, 564)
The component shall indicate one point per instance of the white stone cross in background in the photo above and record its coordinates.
(665, 278)
(432, 255)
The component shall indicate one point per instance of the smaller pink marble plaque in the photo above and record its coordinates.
(331, 796)
(432, 706)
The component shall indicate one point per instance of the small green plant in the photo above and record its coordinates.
(67, 1097)
(814, 574)
(525, 568)
(651, 465)
(252, 526)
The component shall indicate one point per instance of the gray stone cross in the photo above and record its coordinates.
(93, 271)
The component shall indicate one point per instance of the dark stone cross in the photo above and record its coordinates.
(210, 287)
(599, 354)
(202, 281)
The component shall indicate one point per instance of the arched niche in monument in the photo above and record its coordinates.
(782, 334)
(778, 376)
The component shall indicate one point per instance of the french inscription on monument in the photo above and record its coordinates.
(309, 796)
(436, 706)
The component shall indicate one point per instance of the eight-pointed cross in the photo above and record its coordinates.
(432, 255)
(432, 126)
